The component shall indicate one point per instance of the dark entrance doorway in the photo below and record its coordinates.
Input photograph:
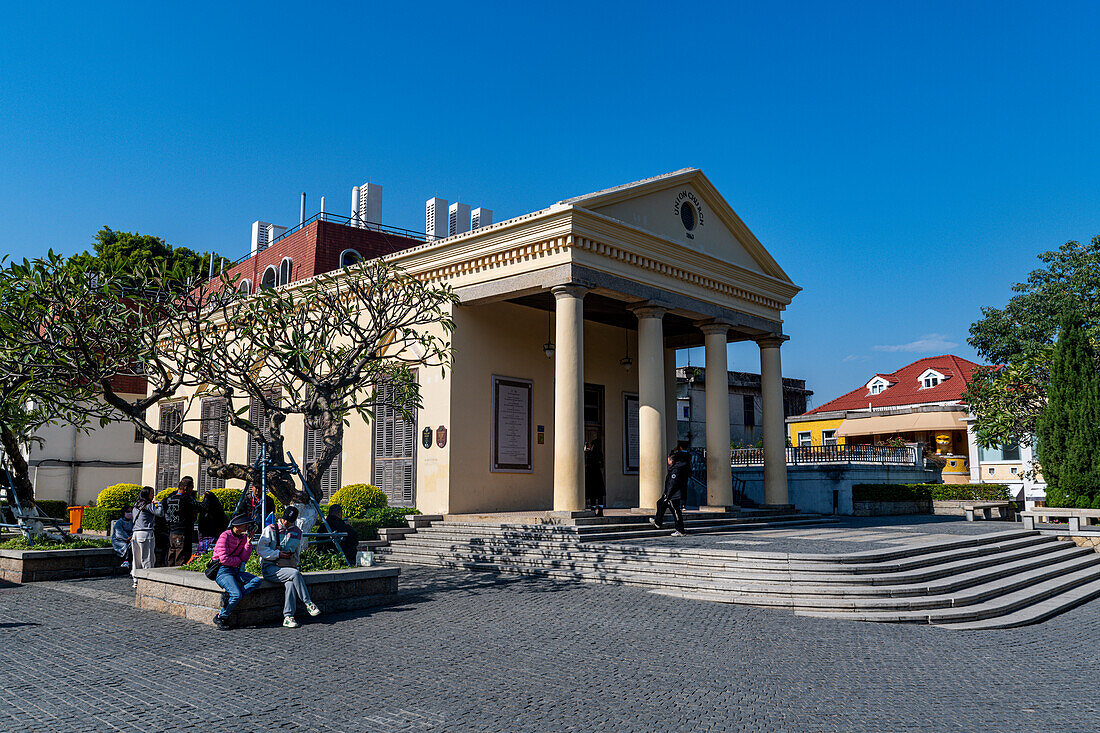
(595, 446)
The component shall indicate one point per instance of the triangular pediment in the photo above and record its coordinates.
(684, 207)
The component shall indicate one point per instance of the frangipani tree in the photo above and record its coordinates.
(315, 349)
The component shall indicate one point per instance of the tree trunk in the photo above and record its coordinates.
(20, 475)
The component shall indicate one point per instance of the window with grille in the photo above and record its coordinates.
(261, 418)
(168, 456)
(394, 449)
(806, 439)
(828, 437)
(213, 429)
(748, 409)
(330, 479)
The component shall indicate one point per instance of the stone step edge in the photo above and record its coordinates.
(1036, 613)
(972, 595)
(871, 574)
(806, 585)
(1000, 606)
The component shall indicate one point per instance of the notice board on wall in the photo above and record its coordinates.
(511, 429)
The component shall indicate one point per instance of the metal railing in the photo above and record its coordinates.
(352, 222)
(809, 454)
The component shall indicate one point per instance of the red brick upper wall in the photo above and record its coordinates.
(316, 248)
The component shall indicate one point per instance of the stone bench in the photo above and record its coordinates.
(1004, 509)
(193, 596)
(29, 566)
(1076, 518)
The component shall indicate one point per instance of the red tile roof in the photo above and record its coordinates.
(905, 388)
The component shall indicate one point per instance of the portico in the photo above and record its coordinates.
(634, 272)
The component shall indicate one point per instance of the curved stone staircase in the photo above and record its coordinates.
(994, 580)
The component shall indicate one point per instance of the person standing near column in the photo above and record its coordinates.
(279, 548)
(676, 482)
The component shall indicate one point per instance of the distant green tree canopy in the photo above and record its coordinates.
(127, 251)
(1019, 340)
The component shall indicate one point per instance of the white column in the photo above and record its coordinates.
(719, 479)
(651, 405)
(670, 399)
(775, 439)
(569, 398)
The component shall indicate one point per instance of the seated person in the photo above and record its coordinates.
(122, 530)
(307, 515)
(349, 545)
(279, 548)
(233, 549)
(212, 521)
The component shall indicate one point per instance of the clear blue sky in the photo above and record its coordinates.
(904, 165)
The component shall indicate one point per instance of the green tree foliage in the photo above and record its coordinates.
(1069, 424)
(317, 349)
(129, 252)
(1019, 340)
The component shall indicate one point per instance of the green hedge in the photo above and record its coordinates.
(53, 508)
(98, 518)
(926, 492)
(367, 527)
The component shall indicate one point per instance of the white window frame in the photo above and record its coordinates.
(808, 435)
(828, 437)
(877, 385)
(345, 253)
(274, 280)
(930, 378)
(284, 277)
(245, 287)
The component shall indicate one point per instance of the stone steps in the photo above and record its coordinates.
(1034, 613)
(972, 579)
(428, 546)
(733, 582)
(1001, 605)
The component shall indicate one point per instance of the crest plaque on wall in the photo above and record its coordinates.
(441, 436)
(426, 437)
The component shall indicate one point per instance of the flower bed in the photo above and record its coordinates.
(21, 563)
(193, 596)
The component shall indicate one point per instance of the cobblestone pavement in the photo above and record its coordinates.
(851, 534)
(485, 652)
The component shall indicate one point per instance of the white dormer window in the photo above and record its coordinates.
(877, 385)
(930, 378)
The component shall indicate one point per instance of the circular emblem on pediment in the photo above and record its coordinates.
(687, 216)
(690, 210)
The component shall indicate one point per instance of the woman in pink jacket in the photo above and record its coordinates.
(232, 551)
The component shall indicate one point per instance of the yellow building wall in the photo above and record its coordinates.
(506, 340)
(814, 427)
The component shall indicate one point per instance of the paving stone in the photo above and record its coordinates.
(485, 652)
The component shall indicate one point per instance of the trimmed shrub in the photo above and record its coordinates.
(358, 499)
(311, 560)
(367, 527)
(98, 519)
(162, 495)
(53, 508)
(115, 498)
(926, 492)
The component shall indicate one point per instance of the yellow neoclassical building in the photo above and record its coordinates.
(566, 330)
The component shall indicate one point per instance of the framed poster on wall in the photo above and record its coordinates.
(630, 433)
(511, 430)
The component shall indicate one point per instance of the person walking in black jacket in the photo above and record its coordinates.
(676, 482)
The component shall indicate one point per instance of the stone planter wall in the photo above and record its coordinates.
(193, 596)
(890, 508)
(952, 508)
(28, 566)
